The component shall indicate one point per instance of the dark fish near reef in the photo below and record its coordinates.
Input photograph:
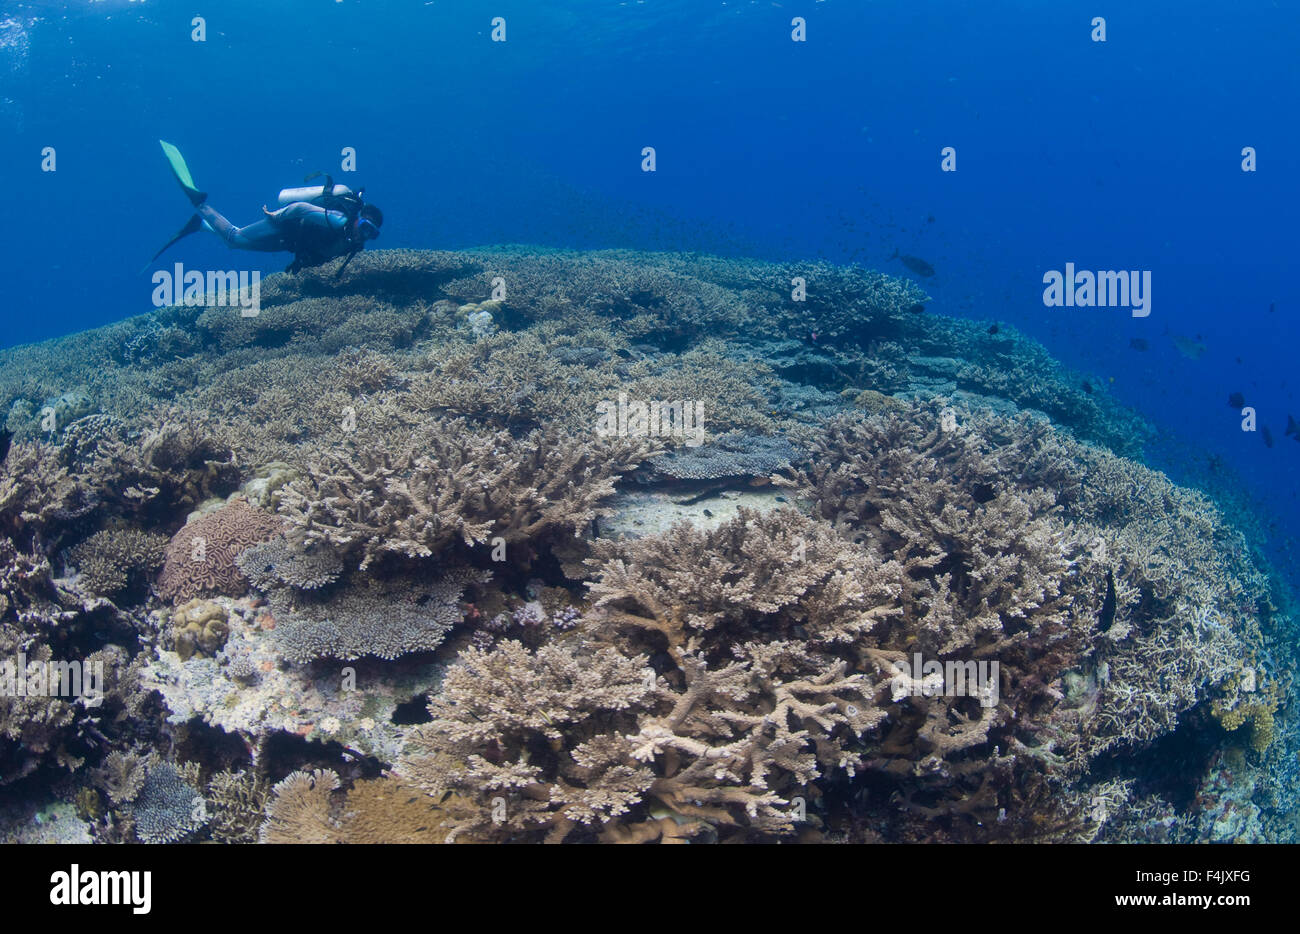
(1139, 343)
(993, 329)
(1087, 387)
(1292, 429)
(6, 437)
(1236, 400)
(917, 265)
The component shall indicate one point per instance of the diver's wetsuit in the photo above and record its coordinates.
(310, 232)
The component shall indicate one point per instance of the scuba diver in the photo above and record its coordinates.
(316, 224)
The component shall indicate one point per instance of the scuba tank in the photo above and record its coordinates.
(313, 194)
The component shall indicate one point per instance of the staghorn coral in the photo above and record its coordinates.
(771, 573)
(385, 619)
(38, 494)
(236, 804)
(122, 776)
(200, 558)
(34, 728)
(515, 702)
(567, 741)
(460, 486)
(171, 459)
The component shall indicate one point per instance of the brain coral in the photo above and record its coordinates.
(200, 558)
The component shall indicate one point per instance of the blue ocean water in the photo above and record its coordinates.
(1122, 154)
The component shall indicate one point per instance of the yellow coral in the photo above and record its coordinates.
(199, 626)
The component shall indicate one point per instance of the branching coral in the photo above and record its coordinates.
(280, 562)
(111, 559)
(236, 803)
(454, 484)
(167, 807)
(770, 573)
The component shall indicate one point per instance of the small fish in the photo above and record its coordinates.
(917, 309)
(1292, 429)
(1087, 387)
(993, 329)
(1272, 307)
(917, 265)
(1236, 400)
(1268, 436)
(930, 219)
(1189, 348)
(1139, 343)
(6, 437)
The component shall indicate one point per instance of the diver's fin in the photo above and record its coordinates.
(182, 173)
(193, 225)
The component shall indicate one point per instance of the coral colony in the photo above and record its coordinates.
(393, 562)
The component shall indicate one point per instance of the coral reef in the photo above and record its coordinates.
(915, 585)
